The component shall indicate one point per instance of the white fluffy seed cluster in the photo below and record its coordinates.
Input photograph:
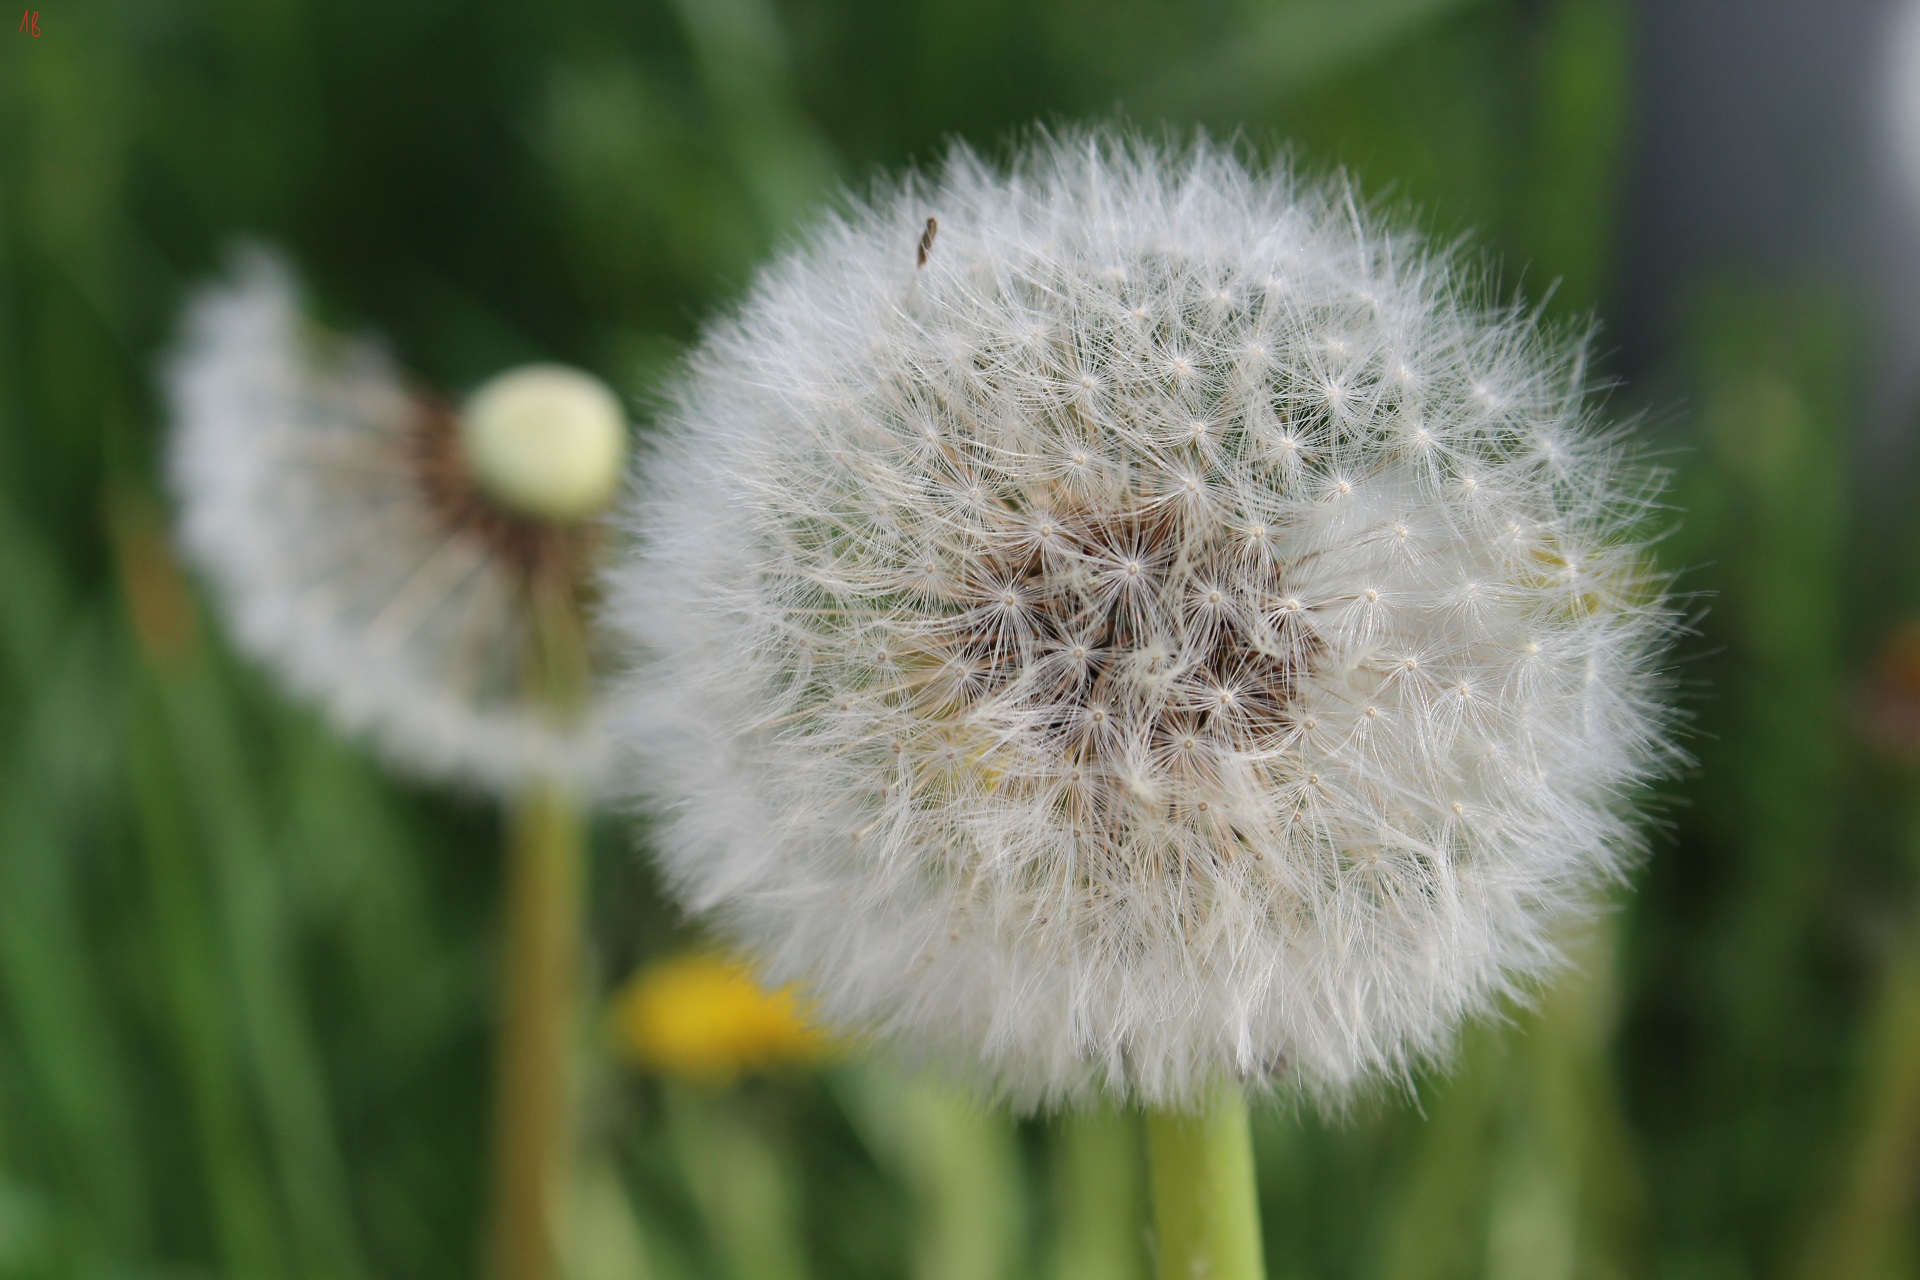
(1172, 633)
(327, 503)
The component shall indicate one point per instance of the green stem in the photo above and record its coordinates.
(1206, 1214)
(532, 1122)
(545, 855)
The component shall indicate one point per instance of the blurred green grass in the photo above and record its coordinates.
(244, 979)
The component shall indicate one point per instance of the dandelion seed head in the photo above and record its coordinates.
(1189, 818)
(334, 509)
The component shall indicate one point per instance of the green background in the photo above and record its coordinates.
(245, 979)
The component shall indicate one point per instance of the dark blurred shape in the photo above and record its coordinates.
(1890, 704)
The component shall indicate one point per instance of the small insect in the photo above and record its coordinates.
(926, 242)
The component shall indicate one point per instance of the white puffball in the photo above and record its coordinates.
(546, 440)
(1173, 632)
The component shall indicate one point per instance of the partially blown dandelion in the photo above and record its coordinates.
(418, 571)
(345, 517)
(1172, 634)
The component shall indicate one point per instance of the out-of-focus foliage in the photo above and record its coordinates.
(245, 981)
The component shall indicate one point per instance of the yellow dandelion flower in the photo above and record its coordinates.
(704, 1018)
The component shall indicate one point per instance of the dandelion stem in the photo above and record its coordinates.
(531, 1118)
(545, 854)
(1206, 1214)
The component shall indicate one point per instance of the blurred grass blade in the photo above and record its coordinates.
(1868, 1229)
(741, 1183)
(1564, 1200)
(52, 984)
(1524, 1168)
(1767, 508)
(224, 831)
(1433, 1230)
(1099, 1201)
(37, 607)
(200, 1032)
(959, 1167)
(748, 76)
(603, 1239)
(1282, 47)
(1581, 116)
